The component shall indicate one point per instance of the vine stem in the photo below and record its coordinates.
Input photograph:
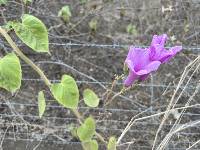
(117, 94)
(24, 58)
(80, 119)
(40, 72)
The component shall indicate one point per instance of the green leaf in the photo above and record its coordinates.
(26, 1)
(41, 103)
(87, 130)
(8, 26)
(90, 98)
(90, 145)
(93, 24)
(112, 144)
(66, 92)
(83, 1)
(65, 13)
(131, 29)
(33, 33)
(10, 72)
(3, 2)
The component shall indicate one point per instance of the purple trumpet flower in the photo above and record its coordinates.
(158, 51)
(141, 62)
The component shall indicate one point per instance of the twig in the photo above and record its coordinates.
(117, 94)
(130, 124)
(186, 71)
(193, 145)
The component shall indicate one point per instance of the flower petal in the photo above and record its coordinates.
(153, 66)
(141, 62)
(155, 52)
(166, 55)
(130, 64)
(176, 49)
(159, 40)
(137, 58)
(144, 77)
(130, 79)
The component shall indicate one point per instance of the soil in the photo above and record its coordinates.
(95, 67)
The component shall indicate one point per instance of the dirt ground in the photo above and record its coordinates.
(95, 67)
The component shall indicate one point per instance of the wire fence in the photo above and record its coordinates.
(194, 49)
(51, 131)
(113, 46)
(19, 120)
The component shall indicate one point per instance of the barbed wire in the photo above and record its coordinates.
(113, 46)
(110, 83)
(57, 128)
(59, 106)
(99, 109)
(136, 147)
(46, 134)
(85, 108)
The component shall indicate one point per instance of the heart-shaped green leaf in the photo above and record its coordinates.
(66, 92)
(112, 144)
(87, 130)
(90, 98)
(41, 103)
(10, 72)
(33, 33)
(90, 145)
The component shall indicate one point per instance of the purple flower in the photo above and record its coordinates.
(158, 52)
(141, 62)
(159, 40)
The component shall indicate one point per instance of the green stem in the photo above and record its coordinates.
(100, 137)
(78, 115)
(24, 58)
(80, 119)
(40, 72)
